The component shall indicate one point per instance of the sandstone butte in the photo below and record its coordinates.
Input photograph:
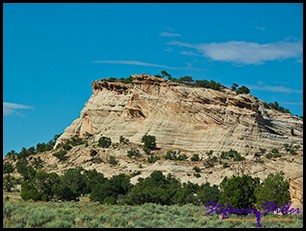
(185, 118)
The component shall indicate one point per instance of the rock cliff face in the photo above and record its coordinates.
(183, 117)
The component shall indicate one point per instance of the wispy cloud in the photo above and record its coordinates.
(168, 49)
(292, 103)
(189, 53)
(241, 52)
(168, 34)
(10, 108)
(261, 28)
(139, 63)
(169, 28)
(263, 87)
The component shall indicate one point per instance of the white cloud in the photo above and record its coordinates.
(169, 28)
(10, 108)
(241, 52)
(292, 103)
(189, 53)
(261, 28)
(168, 49)
(139, 63)
(168, 34)
(263, 87)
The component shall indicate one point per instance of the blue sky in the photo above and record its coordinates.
(52, 53)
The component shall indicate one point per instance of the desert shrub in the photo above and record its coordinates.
(208, 84)
(173, 155)
(269, 155)
(58, 223)
(26, 171)
(207, 193)
(8, 167)
(195, 157)
(262, 151)
(9, 183)
(231, 154)
(196, 169)
(43, 186)
(209, 163)
(197, 175)
(97, 160)
(12, 155)
(155, 189)
(149, 141)
(243, 90)
(108, 191)
(134, 152)
(226, 165)
(66, 146)
(276, 106)
(39, 217)
(92, 178)
(259, 160)
(236, 189)
(275, 188)
(72, 184)
(147, 150)
(153, 159)
(104, 142)
(124, 140)
(38, 163)
(112, 160)
(61, 155)
(136, 173)
(93, 152)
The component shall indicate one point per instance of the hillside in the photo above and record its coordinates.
(183, 118)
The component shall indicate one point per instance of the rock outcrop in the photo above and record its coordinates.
(183, 117)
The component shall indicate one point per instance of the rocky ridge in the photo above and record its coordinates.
(183, 117)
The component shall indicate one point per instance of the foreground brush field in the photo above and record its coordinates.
(26, 214)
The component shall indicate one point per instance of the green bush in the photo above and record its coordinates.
(108, 191)
(72, 184)
(104, 142)
(147, 150)
(173, 155)
(149, 141)
(61, 155)
(93, 152)
(136, 173)
(40, 217)
(236, 189)
(226, 165)
(26, 171)
(112, 160)
(43, 186)
(207, 193)
(8, 167)
(123, 140)
(134, 152)
(208, 84)
(197, 175)
(195, 157)
(243, 90)
(196, 169)
(97, 160)
(275, 188)
(276, 106)
(153, 159)
(38, 163)
(231, 154)
(9, 183)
